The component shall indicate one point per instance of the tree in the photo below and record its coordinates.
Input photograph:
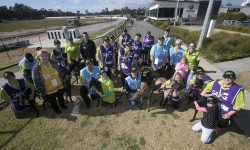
(229, 4)
(86, 12)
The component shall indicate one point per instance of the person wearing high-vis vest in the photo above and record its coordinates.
(124, 38)
(108, 95)
(230, 96)
(159, 55)
(58, 54)
(148, 42)
(86, 75)
(12, 91)
(116, 47)
(133, 84)
(49, 80)
(200, 74)
(137, 47)
(125, 61)
(168, 39)
(105, 56)
(26, 66)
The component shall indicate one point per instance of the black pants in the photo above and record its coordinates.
(123, 76)
(146, 55)
(84, 95)
(52, 99)
(222, 123)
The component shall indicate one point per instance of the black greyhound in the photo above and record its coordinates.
(193, 93)
(96, 85)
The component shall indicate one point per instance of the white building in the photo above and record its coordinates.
(187, 9)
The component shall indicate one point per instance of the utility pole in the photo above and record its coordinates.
(206, 22)
(176, 11)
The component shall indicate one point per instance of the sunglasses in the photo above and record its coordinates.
(8, 76)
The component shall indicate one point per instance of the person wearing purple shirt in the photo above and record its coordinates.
(148, 42)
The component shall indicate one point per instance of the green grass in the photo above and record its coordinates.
(40, 24)
(217, 48)
(142, 141)
(242, 29)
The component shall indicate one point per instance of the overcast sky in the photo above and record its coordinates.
(91, 5)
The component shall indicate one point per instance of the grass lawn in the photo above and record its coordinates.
(40, 24)
(122, 128)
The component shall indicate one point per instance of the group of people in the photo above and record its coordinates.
(47, 74)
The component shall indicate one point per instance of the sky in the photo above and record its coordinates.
(90, 5)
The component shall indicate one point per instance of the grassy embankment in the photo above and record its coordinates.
(220, 47)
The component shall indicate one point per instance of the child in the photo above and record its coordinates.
(172, 91)
(207, 124)
(182, 67)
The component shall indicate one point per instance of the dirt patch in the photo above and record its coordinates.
(244, 80)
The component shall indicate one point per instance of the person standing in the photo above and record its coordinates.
(176, 53)
(125, 61)
(57, 54)
(137, 47)
(73, 52)
(168, 39)
(124, 38)
(105, 56)
(193, 60)
(88, 49)
(148, 42)
(159, 55)
(49, 80)
(26, 66)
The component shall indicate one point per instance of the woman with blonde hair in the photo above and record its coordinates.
(49, 80)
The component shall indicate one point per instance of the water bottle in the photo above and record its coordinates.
(77, 106)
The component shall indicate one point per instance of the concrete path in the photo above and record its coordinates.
(239, 65)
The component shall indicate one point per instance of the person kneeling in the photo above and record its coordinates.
(207, 124)
(19, 93)
(133, 84)
(107, 87)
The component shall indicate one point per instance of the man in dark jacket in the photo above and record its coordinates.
(88, 49)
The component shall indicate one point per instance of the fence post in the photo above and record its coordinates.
(5, 48)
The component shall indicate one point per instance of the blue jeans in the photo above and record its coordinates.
(136, 102)
(189, 77)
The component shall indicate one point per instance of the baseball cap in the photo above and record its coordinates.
(88, 61)
(200, 70)
(161, 37)
(38, 48)
(8, 74)
(134, 69)
(102, 71)
(167, 29)
(138, 34)
(28, 55)
(211, 100)
(125, 30)
(148, 32)
(229, 74)
(56, 41)
(106, 38)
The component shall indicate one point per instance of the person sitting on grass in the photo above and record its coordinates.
(207, 124)
(14, 90)
(107, 93)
